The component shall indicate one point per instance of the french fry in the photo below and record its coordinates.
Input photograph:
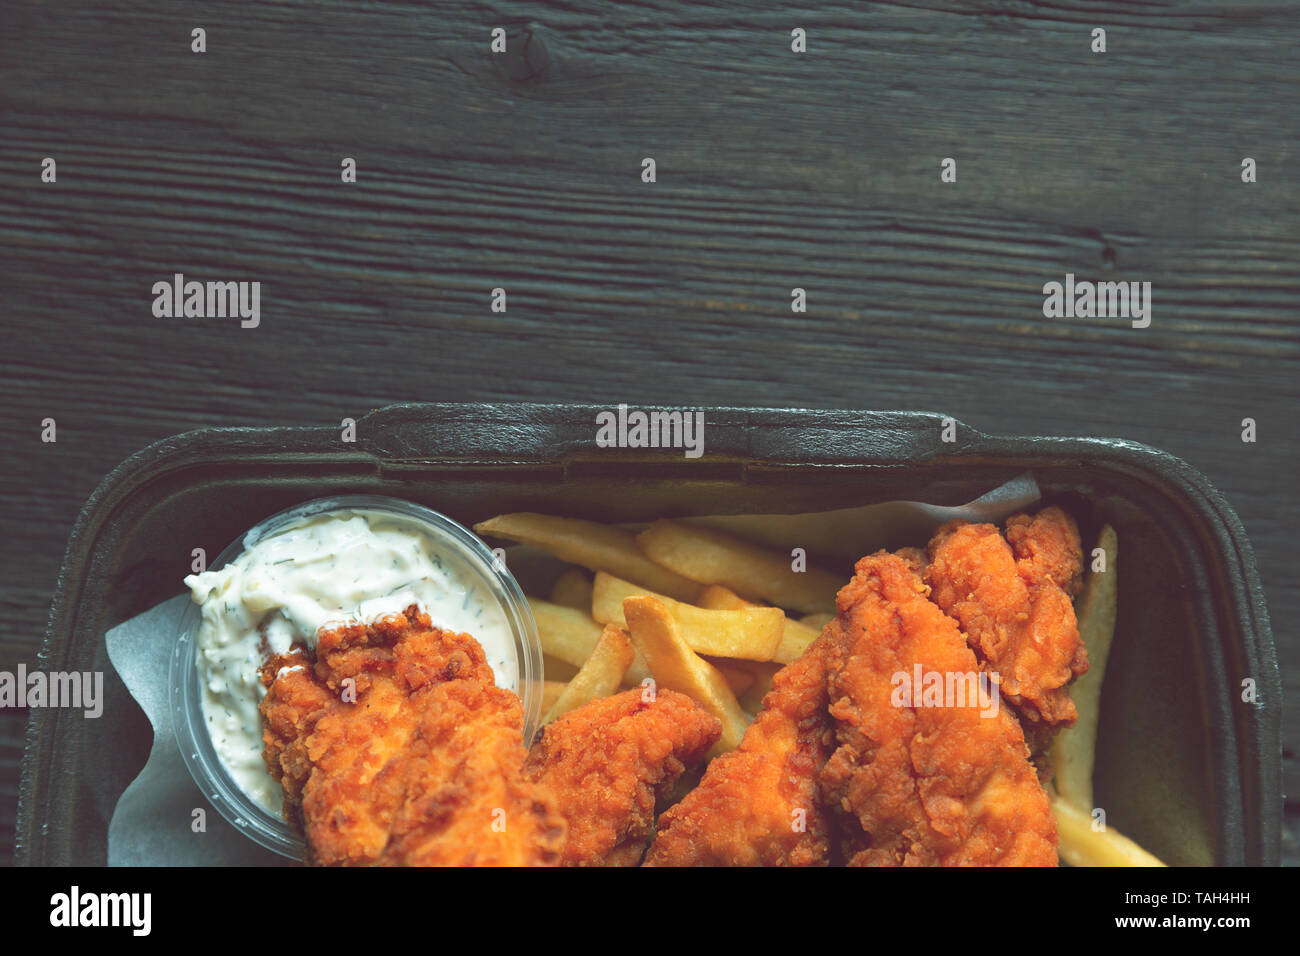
(1074, 749)
(717, 598)
(797, 635)
(752, 698)
(676, 667)
(570, 636)
(738, 678)
(794, 641)
(817, 621)
(567, 634)
(752, 633)
(1081, 845)
(600, 676)
(551, 691)
(572, 589)
(597, 547)
(754, 573)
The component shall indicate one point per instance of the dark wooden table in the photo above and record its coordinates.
(775, 170)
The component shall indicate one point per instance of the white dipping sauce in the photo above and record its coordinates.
(329, 569)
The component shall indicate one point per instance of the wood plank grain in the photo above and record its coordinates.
(775, 171)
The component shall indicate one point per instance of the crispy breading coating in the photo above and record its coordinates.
(607, 763)
(396, 748)
(913, 784)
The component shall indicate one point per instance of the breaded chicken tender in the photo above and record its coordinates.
(1014, 599)
(396, 748)
(609, 761)
(757, 805)
(912, 784)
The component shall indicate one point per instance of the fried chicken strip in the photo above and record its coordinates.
(914, 784)
(396, 748)
(1014, 600)
(757, 805)
(607, 763)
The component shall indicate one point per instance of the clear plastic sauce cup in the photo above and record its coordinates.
(450, 542)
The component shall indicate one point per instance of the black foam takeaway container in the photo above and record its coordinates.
(1185, 766)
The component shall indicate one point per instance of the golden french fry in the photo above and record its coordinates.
(754, 573)
(572, 589)
(600, 676)
(752, 698)
(1081, 845)
(597, 547)
(794, 641)
(1074, 749)
(717, 598)
(818, 621)
(551, 691)
(570, 636)
(739, 679)
(797, 636)
(753, 633)
(676, 667)
(567, 634)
